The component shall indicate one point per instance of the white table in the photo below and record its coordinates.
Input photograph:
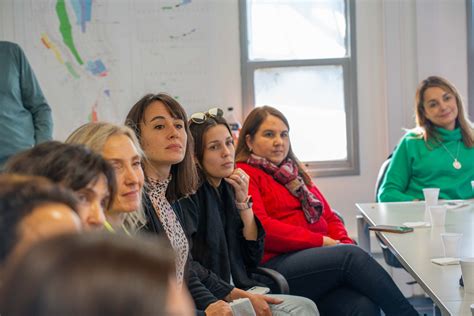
(414, 250)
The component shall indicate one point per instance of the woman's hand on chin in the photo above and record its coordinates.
(240, 182)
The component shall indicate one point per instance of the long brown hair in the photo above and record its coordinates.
(198, 131)
(184, 178)
(251, 125)
(429, 129)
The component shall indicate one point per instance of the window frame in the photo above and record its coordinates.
(349, 166)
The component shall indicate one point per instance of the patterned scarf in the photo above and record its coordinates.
(287, 175)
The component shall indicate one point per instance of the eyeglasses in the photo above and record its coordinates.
(201, 117)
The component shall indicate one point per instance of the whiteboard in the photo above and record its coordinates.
(95, 58)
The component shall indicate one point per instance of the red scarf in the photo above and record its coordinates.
(287, 175)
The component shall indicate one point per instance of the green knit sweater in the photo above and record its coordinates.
(416, 165)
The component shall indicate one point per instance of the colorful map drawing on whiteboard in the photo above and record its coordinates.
(66, 29)
(93, 116)
(96, 57)
(97, 68)
(73, 53)
(52, 46)
(82, 10)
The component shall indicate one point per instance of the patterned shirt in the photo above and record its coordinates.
(171, 225)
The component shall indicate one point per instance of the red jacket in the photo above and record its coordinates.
(283, 219)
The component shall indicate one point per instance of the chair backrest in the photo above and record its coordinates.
(388, 256)
(381, 176)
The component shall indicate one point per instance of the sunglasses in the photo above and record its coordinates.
(201, 117)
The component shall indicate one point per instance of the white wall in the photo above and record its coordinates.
(442, 40)
(399, 43)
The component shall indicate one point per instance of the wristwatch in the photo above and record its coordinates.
(245, 205)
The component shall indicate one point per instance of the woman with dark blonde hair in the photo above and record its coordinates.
(438, 153)
(120, 147)
(305, 241)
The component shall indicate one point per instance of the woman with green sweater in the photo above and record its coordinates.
(438, 153)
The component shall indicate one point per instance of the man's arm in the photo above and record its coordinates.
(34, 101)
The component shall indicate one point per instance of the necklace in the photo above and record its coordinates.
(456, 164)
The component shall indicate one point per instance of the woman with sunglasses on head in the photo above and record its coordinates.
(160, 124)
(120, 147)
(438, 153)
(226, 237)
(305, 241)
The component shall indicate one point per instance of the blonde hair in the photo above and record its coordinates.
(95, 135)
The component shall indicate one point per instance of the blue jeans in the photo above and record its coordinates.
(342, 280)
(293, 306)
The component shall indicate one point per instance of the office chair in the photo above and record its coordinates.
(421, 303)
(388, 256)
(278, 283)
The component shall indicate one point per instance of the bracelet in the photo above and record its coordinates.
(245, 205)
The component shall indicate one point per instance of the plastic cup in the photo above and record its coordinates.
(437, 215)
(467, 269)
(452, 244)
(431, 198)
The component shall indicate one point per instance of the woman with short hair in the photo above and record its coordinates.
(76, 167)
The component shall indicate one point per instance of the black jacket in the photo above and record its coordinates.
(205, 287)
(214, 227)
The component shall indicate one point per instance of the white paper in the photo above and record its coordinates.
(445, 261)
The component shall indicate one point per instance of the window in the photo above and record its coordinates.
(299, 56)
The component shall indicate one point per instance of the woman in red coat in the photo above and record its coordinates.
(305, 240)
